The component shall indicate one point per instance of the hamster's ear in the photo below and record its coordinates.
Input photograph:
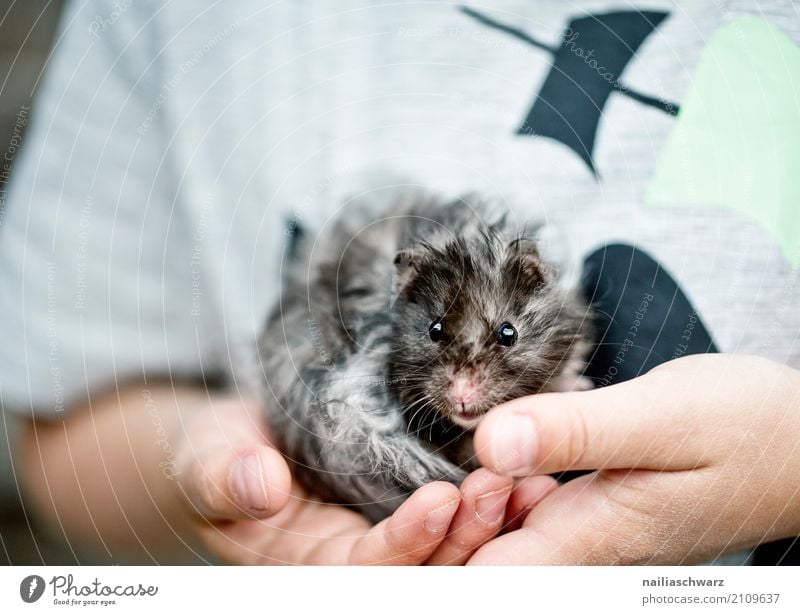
(499, 225)
(525, 262)
(524, 248)
(406, 266)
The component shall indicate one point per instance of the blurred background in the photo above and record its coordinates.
(27, 28)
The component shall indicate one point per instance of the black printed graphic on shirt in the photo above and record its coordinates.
(585, 71)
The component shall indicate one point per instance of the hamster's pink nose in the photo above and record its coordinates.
(463, 391)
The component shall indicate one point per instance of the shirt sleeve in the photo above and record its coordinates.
(94, 283)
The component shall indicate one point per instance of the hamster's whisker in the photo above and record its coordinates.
(436, 418)
(416, 402)
(422, 423)
(429, 409)
(423, 401)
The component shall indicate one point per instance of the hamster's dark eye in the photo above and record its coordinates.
(436, 330)
(506, 334)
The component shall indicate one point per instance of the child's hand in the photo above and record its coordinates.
(698, 457)
(247, 511)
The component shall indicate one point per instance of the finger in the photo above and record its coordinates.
(641, 423)
(227, 469)
(413, 532)
(528, 492)
(620, 517)
(240, 483)
(479, 517)
(573, 525)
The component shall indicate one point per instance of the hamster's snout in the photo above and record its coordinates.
(464, 395)
(463, 391)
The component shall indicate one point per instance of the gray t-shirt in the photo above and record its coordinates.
(171, 141)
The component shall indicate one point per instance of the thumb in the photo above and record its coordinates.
(237, 483)
(643, 423)
(228, 470)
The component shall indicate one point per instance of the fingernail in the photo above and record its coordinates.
(247, 483)
(514, 444)
(438, 520)
(490, 507)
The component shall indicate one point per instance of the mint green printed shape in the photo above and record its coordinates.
(736, 142)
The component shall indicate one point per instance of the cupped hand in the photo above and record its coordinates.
(696, 458)
(239, 494)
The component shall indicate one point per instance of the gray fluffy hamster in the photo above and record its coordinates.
(396, 331)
